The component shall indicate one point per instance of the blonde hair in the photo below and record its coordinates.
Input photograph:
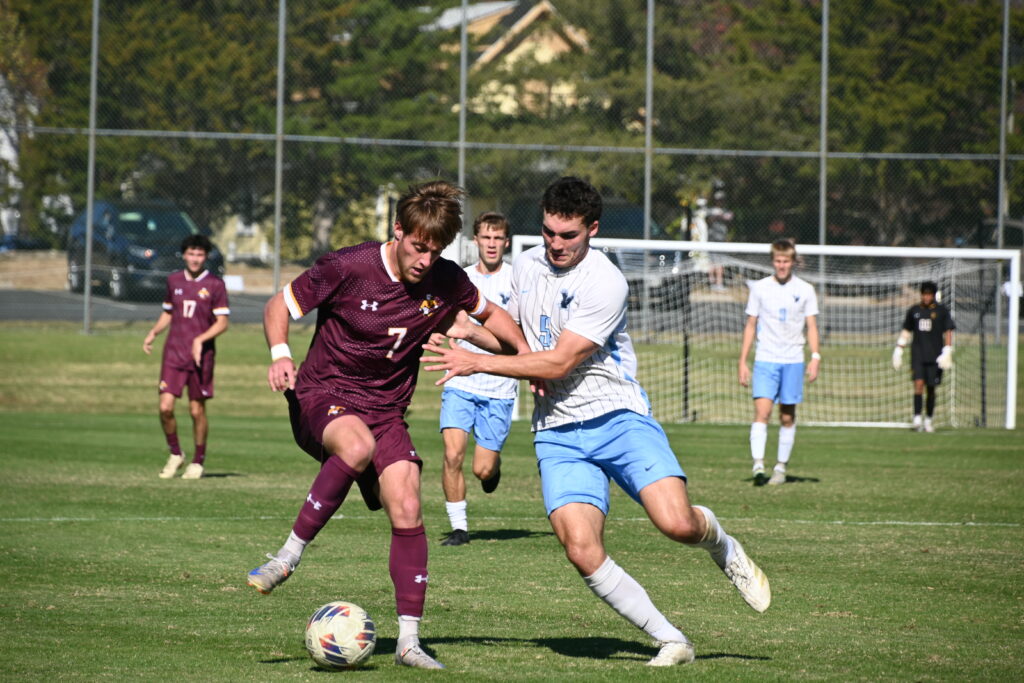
(432, 211)
(492, 219)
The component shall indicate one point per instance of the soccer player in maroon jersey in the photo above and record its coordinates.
(376, 304)
(196, 308)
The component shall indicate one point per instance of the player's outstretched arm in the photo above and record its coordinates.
(570, 350)
(281, 374)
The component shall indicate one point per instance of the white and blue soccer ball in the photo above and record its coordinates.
(340, 635)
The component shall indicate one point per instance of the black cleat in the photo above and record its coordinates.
(759, 478)
(490, 485)
(457, 537)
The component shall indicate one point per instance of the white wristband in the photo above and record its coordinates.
(278, 351)
(815, 356)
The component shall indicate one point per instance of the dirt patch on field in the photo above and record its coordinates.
(47, 271)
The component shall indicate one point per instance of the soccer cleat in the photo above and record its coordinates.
(916, 424)
(269, 576)
(928, 426)
(778, 477)
(489, 485)
(672, 653)
(193, 471)
(456, 537)
(414, 656)
(748, 578)
(759, 478)
(171, 468)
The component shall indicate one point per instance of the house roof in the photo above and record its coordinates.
(452, 17)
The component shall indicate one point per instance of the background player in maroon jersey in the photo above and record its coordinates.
(377, 304)
(196, 308)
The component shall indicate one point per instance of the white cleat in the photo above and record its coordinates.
(269, 576)
(928, 426)
(672, 653)
(171, 468)
(193, 471)
(778, 477)
(414, 656)
(916, 424)
(748, 578)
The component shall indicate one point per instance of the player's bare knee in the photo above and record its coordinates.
(483, 470)
(453, 460)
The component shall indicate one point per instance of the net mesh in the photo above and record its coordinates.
(686, 318)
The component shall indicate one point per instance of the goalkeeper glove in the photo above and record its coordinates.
(897, 358)
(945, 359)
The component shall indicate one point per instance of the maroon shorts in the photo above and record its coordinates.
(198, 380)
(311, 415)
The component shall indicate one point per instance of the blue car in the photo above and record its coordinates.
(136, 244)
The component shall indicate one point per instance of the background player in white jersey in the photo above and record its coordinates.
(482, 404)
(593, 420)
(777, 310)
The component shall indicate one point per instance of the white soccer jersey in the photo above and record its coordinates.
(497, 288)
(589, 300)
(781, 312)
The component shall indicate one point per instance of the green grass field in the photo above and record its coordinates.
(892, 555)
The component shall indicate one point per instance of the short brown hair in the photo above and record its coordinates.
(432, 210)
(492, 219)
(784, 246)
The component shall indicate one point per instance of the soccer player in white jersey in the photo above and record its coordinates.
(779, 307)
(592, 420)
(480, 405)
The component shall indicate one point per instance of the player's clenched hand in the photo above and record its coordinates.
(452, 361)
(744, 375)
(281, 375)
(437, 339)
(461, 327)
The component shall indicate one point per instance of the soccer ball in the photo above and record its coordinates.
(340, 635)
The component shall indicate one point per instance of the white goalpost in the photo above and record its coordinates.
(687, 328)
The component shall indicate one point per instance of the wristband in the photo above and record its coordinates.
(279, 351)
(815, 356)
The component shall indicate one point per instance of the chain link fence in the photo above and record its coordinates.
(854, 122)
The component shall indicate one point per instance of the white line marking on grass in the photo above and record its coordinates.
(273, 518)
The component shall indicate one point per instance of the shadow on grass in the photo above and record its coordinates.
(222, 475)
(790, 479)
(587, 648)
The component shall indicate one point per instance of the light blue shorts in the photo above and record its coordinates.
(781, 382)
(489, 420)
(577, 460)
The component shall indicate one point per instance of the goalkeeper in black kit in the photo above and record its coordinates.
(930, 326)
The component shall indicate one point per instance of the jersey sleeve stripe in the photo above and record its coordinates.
(293, 306)
(168, 306)
(222, 311)
(481, 303)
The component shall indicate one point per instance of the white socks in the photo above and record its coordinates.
(292, 549)
(623, 594)
(786, 437)
(408, 631)
(718, 543)
(457, 515)
(758, 438)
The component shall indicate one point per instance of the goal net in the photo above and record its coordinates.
(686, 319)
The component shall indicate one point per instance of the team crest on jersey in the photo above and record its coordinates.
(204, 293)
(566, 298)
(505, 298)
(336, 410)
(429, 305)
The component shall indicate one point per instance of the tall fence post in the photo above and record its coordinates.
(90, 189)
(282, 12)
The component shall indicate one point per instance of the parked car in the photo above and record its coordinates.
(136, 244)
(666, 273)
